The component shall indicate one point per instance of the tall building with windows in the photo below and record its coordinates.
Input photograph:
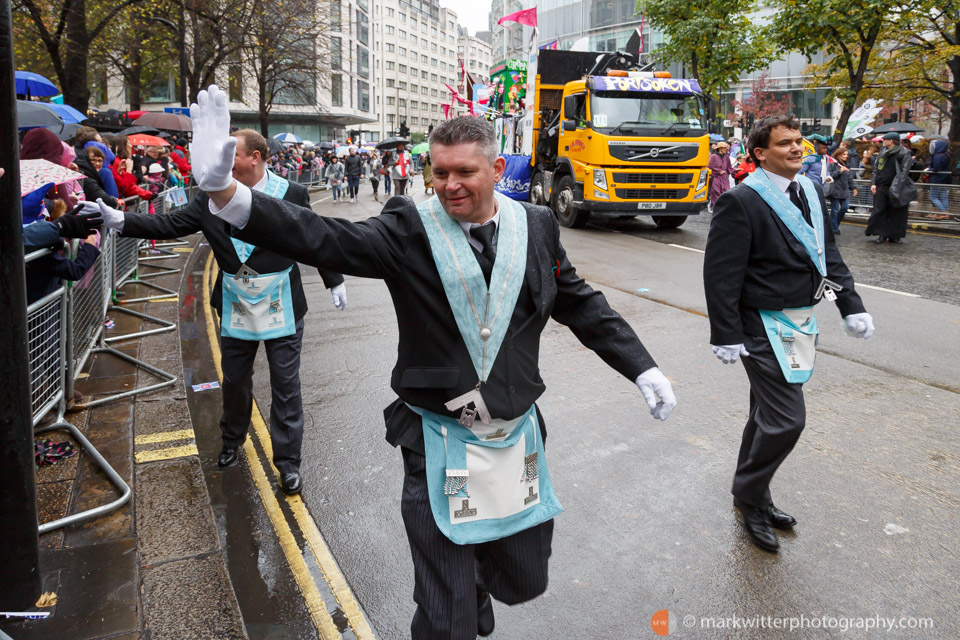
(507, 40)
(416, 53)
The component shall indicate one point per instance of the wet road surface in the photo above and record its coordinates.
(649, 522)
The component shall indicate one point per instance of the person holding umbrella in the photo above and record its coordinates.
(400, 169)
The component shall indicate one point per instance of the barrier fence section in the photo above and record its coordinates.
(933, 199)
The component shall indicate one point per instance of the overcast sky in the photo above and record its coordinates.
(472, 14)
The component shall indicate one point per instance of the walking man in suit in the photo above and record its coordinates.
(474, 277)
(769, 259)
(241, 264)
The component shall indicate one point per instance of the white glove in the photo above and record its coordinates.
(653, 384)
(730, 353)
(339, 296)
(112, 218)
(213, 148)
(858, 325)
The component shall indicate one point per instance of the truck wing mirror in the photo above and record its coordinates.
(570, 125)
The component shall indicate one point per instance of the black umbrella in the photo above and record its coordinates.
(65, 131)
(31, 115)
(896, 127)
(274, 146)
(325, 146)
(392, 142)
(139, 129)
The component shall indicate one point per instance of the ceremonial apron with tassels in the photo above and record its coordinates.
(793, 332)
(488, 478)
(258, 306)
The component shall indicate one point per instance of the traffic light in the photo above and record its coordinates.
(908, 114)
(404, 129)
(429, 129)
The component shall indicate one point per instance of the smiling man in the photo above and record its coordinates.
(474, 277)
(769, 259)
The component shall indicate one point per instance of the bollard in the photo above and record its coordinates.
(19, 553)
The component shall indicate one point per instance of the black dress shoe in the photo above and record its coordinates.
(756, 522)
(779, 519)
(291, 483)
(897, 241)
(880, 240)
(485, 620)
(227, 457)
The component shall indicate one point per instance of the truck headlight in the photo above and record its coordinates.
(600, 179)
(702, 182)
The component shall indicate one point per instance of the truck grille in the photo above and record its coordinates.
(652, 178)
(652, 194)
(653, 151)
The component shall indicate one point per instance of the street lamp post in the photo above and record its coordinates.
(179, 29)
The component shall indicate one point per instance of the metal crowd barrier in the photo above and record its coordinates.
(928, 204)
(49, 323)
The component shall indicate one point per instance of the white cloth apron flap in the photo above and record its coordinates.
(463, 281)
(258, 307)
(811, 237)
(793, 336)
(488, 482)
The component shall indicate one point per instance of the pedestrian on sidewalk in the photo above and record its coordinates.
(761, 290)
(893, 191)
(335, 177)
(385, 171)
(247, 318)
(427, 173)
(842, 188)
(353, 166)
(400, 170)
(939, 172)
(373, 168)
(470, 382)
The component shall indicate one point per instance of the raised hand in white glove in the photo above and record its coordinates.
(339, 296)
(859, 325)
(213, 148)
(653, 385)
(730, 353)
(112, 218)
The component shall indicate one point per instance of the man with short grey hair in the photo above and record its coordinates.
(474, 277)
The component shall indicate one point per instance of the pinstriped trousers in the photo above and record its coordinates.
(512, 569)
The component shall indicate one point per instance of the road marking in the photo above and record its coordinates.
(183, 249)
(165, 299)
(912, 230)
(680, 246)
(899, 293)
(164, 436)
(166, 454)
(313, 202)
(319, 614)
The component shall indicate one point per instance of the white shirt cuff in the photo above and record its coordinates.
(237, 211)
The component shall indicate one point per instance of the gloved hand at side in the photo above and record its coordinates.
(658, 393)
(339, 296)
(858, 325)
(730, 353)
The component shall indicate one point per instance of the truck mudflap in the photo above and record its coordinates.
(632, 208)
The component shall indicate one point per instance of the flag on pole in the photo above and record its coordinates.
(643, 19)
(527, 17)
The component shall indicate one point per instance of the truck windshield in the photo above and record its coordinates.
(620, 112)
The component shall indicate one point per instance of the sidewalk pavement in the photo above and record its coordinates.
(914, 222)
(154, 568)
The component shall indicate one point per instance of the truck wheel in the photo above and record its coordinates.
(669, 222)
(566, 212)
(538, 194)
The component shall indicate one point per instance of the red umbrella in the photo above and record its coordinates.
(168, 121)
(133, 115)
(144, 140)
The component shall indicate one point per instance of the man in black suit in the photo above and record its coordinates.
(238, 354)
(435, 364)
(767, 258)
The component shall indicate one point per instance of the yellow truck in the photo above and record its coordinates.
(610, 140)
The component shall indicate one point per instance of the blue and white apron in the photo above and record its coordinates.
(258, 306)
(793, 332)
(490, 480)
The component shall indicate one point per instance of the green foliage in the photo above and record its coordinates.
(716, 41)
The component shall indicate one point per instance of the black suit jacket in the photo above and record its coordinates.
(752, 262)
(196, 216)
(433, 364)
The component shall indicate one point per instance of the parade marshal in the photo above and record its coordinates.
(474, 277)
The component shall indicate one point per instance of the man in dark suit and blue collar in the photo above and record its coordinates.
(769, 259)
(474, 277)
(259, 297)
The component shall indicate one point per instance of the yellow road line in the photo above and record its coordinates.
(163, 436)
(308, 528)
(183, 249)
(166, 299)
(166, 454)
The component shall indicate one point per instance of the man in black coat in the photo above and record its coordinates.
(755, 262)
(238, 355)
(353, 168)
(454, 582)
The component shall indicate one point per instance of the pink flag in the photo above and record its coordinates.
(446, 111)
(527, 17)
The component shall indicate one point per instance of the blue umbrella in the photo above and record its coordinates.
(34, 85)
(716, 137)
(288, 138)
(68, 113)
